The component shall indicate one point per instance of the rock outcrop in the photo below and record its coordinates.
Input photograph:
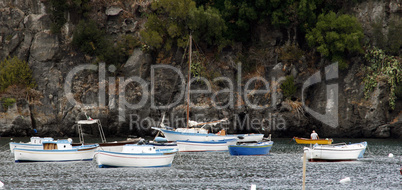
(133, 99)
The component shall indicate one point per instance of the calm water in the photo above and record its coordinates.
(282, 169)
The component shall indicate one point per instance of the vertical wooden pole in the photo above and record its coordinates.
(304, 171)
(188, 83)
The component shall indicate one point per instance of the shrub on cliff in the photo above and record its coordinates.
(14, 71)
(288, 87)
(382, 67)
(335, 36)
(172, 20)
(7, 102)
(89, 38)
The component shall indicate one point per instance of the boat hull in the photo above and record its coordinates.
(205, 146)
(85, 153)
(312, 141)
(253, 149)
(182, 136)
(334, 153)
(14, 145)
(161, 158)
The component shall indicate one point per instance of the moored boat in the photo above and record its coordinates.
(56, 151)
(336, 152)
(34, 143)
(205, 146)
(312, 141)
(136, 156)
(200, 134)
(257, 148)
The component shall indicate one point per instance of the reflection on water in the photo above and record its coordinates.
(282, 169)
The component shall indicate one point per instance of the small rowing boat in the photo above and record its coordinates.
(136, 156)
(335, 152)
(312, 141)
(258, 148)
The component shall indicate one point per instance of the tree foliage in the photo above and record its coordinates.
(336, 36)
(57, 9)
(14, 71)
(172, 21)
(89, 38)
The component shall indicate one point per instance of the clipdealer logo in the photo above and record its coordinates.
(331, 110)
(148, 91)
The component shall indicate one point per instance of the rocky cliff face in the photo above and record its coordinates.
(131, 100)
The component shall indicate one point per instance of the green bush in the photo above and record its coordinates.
(89, 38)
(14, 71)
(172, 20)
(290, 53)
(57, 10)
(288, 87)
(7, 102)
(336, 36)
(123, 49)
(382, 66)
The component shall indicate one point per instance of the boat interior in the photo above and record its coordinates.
(49, 146)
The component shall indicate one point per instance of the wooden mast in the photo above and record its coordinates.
(188, 84)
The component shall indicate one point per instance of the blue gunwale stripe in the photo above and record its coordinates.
(109, 166)
(18, 161)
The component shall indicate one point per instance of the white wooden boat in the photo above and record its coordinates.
(335, 152)
(200, 134)
(34, 143)
(205, 146)
(56, 151)
(136, 156)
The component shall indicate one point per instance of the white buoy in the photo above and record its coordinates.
(1, 185)
(345, 180)
(253, 187)
(390, 155)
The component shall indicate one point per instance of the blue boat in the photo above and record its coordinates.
(260, 148)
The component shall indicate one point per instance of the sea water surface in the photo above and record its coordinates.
(282, 169)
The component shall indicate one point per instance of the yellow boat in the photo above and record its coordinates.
(312, 141)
